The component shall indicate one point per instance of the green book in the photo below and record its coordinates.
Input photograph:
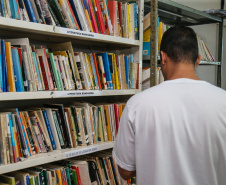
(56, 9)
(75, 179)
(73, 123)
(68, 175)
(7, 179)
(56, 74)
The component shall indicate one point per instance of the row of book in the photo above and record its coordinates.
(97, 169)
(29, 68)
(39, 130)
(203, 50)
(98, 16)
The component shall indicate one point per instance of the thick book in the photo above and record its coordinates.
(60, 108)
(10, 71)
(30, 11)
(17, 70)
(14, 9)
(49, 129)
(49, 114)
(107, 70)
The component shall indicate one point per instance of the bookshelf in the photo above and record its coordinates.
(41, 34)
(173, 13)
(49, 157)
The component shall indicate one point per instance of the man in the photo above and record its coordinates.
(175, 133)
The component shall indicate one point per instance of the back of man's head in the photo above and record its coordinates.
(180, 44)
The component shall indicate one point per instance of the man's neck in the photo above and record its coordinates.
(182, 70)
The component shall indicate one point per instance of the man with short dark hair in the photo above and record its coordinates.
(175, 133)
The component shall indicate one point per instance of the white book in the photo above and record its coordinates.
(53, 128)
(58, 70)
(81, 15)
(63, 72)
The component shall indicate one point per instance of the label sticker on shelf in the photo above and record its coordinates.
(77, 93)
(78, 33)
(81, 152)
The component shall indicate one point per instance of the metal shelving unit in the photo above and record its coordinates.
(173, 13)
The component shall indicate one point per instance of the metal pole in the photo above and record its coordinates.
(220, 48)
(154, 42)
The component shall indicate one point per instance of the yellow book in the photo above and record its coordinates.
(59, 179)
(10, 72)
(117, 85)
(100, 126)
(159, 35)
(108, 126)
(89, 70)
(129, 24)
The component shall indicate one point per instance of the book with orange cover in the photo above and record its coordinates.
(10, 71)
(113, 16)
(25, 131)
(108, 126)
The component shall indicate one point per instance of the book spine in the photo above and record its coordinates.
(61, 128)
(30, 11)
(43, 73)
(136, 21)
(43, 137)
(56, 74)
(12, 137)
(23, 146)
(52, 74)
(73, 9)
(94, 71)
(16, 138)
(97, 70)
(49, 129)
(40, 12)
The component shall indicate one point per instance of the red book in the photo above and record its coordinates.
(120, 15)
(116, 109)
(97, 70)
(112, 12)
(94, 24)
(77, 173)
(99, 16)
(43, 73)
(73, 15)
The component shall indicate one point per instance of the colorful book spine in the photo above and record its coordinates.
(30, 11)
(49, 129)
(12, 137)
(136, 21)
(37, 71)
(127, 70)
(107, 70)
(1, 69)
(14, 9)
(17, 70)
(94, 71)
(4, 70)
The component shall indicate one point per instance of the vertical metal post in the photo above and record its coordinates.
(220, 53)
(154, 42)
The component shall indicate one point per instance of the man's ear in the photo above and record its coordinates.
(164, 56)
(198, 61)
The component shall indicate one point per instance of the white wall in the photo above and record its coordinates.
(209, 33)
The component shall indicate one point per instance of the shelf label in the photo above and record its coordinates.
(78, 33)
(76, 93)
(81, 152)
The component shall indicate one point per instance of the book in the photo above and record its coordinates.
(17, 70)
(10, 71)
(30, 10)
(14, 9)
(107, 70)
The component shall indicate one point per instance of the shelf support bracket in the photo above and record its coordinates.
(154, 42)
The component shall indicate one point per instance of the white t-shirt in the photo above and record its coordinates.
(174, 134)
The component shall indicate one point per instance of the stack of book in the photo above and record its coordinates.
(204, 51)
(55, 126)
(97, 169)
(98, 16)
(28, 68)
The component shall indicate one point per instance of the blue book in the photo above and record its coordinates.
(37, 70)
(30, 11)
(3, 8)
(1, 70)
(49, 129)
(27, 180)
(113, 170)
(12, 136)
(107, 70)
(14, 9)
(3, 64)
(21, 125)
(75, 12)
(94, 71)
(131, 71)
(17, 70)
(127, 70)
(135, 20)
